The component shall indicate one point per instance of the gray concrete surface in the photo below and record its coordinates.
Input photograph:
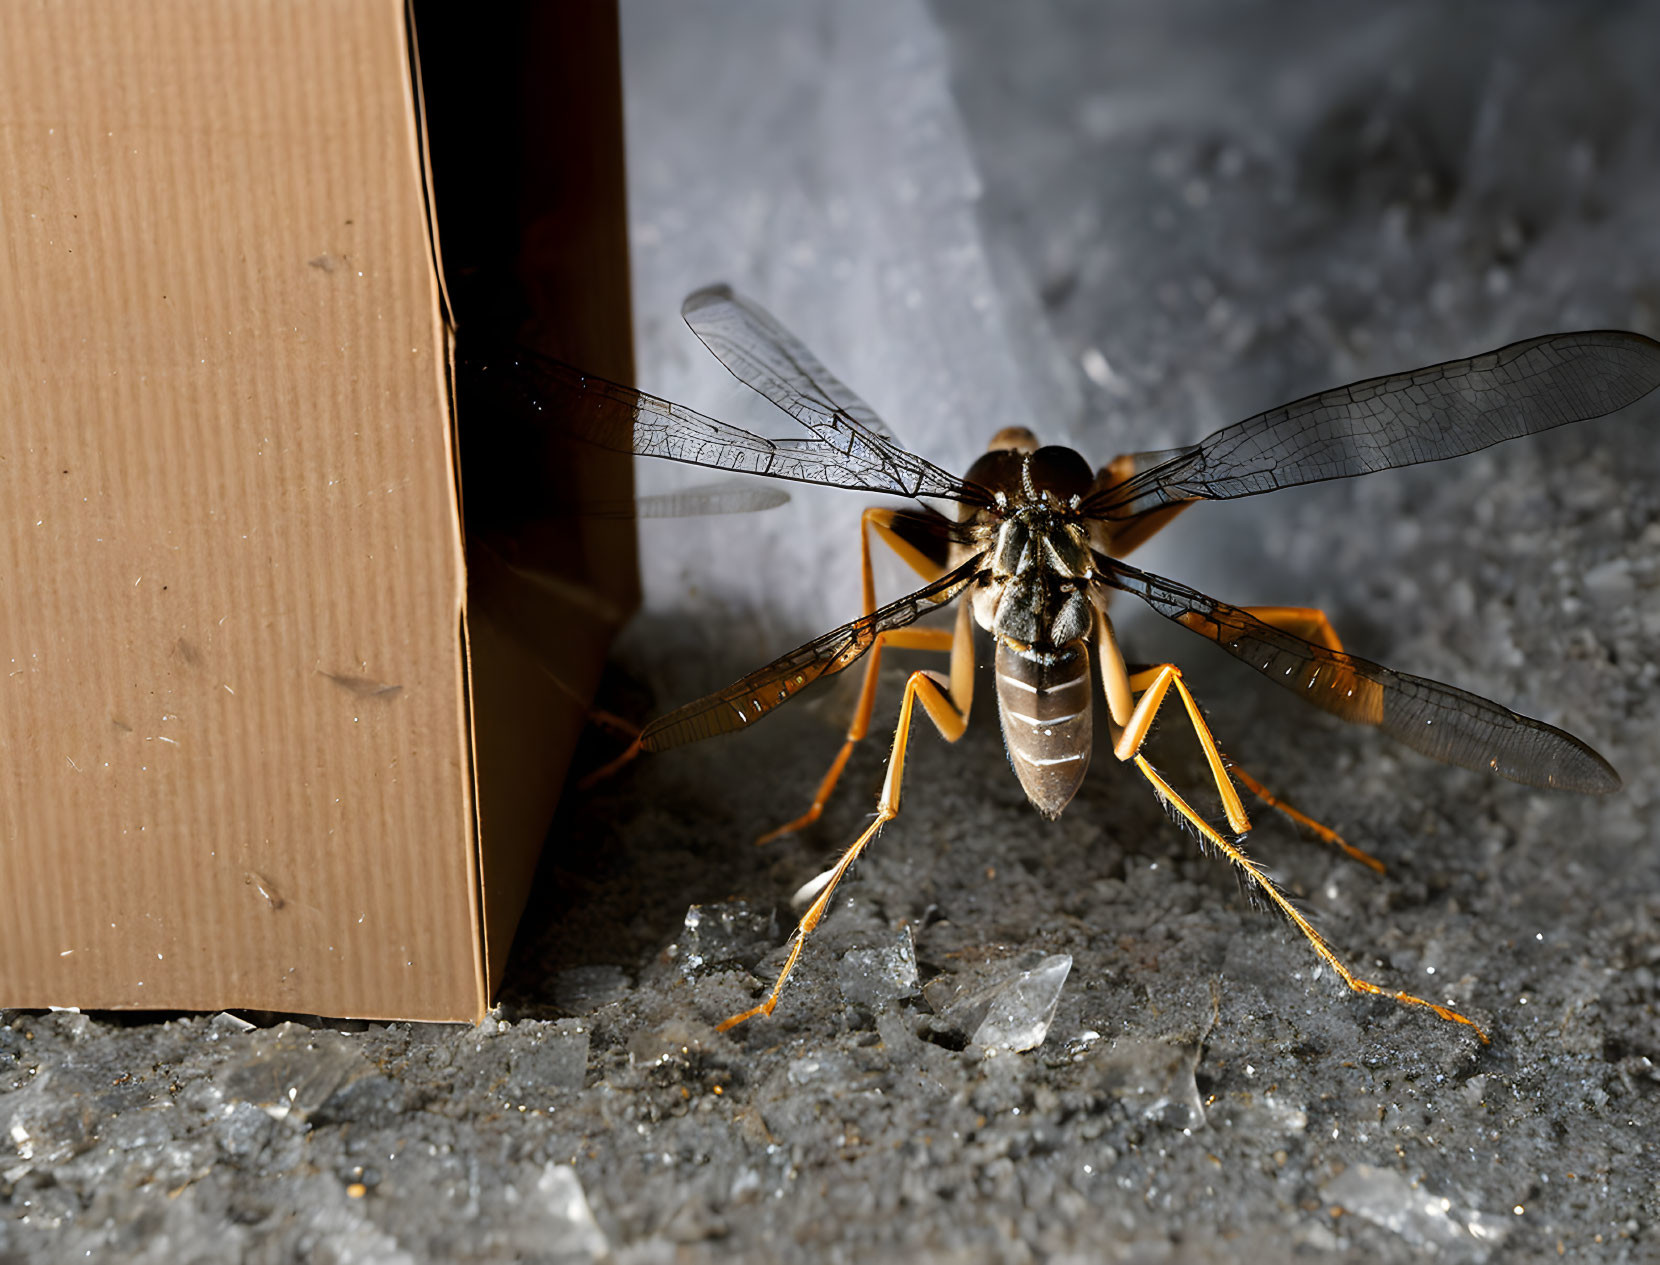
(1185, 214)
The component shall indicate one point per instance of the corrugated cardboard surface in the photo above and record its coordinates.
(232, 720)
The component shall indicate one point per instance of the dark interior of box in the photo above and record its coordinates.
(528, 196)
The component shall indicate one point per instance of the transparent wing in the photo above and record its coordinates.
(550, 393)
(743, 703)
(711, 498)
(1440, 721)
(768, 359)
(697, 502)
(1401, 419)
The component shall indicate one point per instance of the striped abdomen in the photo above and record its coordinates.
(1044, 701)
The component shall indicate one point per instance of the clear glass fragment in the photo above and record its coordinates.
(1421, 1217)
(869, 977)
(727, 933)
(1020, 1008)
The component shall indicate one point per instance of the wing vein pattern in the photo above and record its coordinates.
(526, 385)
(745, 701)
(759, 352)
(1440, 721)
(1402, 419)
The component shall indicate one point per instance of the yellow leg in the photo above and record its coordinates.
(1129, 743)
(1234, 853)
(938, 639)
(947, 703)
(606, 770)
(607, 721)
(1153, 684)
(1311, 624)
(1321, 832)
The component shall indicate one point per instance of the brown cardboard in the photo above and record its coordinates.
(235, 730)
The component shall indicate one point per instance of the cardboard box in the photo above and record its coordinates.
(263, 746)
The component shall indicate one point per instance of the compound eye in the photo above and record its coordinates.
(1061, 471)
(997, 470)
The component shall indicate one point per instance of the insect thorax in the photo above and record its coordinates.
(1032, 594)
(1033, 599)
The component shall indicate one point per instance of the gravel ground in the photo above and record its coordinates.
(1185, 214)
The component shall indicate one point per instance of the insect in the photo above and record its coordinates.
(1037, 548)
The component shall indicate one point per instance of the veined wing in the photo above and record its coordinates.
(610, 415)
(767, 358)
(734, 497)
(743, 703)
(1440, 721)
(1401, 419)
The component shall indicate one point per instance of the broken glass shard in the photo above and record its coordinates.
(571, 1233)
(1154, 1079)
(1016, 1011)
(729, 933)
(1420, 1216)
(870, 977)
(293, 1070)
(999, 1008)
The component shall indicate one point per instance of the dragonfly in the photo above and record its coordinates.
(1036, 547)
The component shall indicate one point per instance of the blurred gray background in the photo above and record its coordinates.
(1124, 225)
